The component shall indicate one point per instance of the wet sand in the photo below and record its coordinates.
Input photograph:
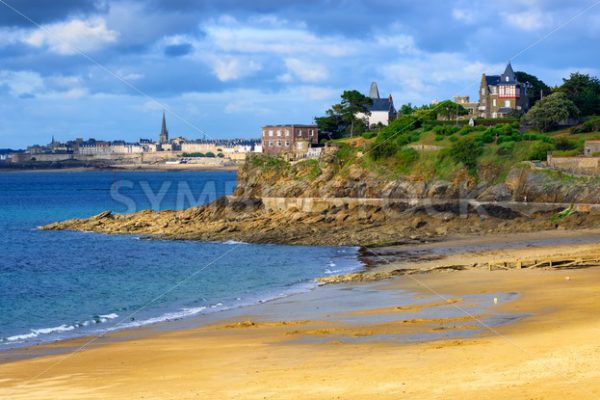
(429, 336)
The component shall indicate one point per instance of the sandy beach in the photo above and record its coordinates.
(508, 334)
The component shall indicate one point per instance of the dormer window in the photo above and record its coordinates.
(507, 79)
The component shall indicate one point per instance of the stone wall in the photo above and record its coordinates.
(575, 165)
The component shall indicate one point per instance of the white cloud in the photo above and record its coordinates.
(317, 92)
(232, 36)
(228, 68)
(21, 83)
(464, 15)
(70, 37)
(422, 77)
(530, 20)
(305, 70)
(402, 43)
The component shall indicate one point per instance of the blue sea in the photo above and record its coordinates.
(57, 285)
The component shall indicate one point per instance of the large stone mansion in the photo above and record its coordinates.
(499, 96)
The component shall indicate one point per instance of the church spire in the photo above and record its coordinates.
(164, 133)
(374, 91)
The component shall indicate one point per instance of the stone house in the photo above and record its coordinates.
(500, 95)
(290, 139)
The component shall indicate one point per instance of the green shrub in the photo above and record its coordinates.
(563, 143)
(369, 135)
(446, 130)
(466, 151)
(591, 125)
(453, 139)
(407, 156)
(496, 121)
(192, 155)
(465, 130)
(505, 149)
(539, 151)
(439, 138)
(401, 125)
(383, 149)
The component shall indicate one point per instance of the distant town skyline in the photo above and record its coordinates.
(107, 69)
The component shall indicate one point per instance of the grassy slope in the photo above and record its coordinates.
(493, 165)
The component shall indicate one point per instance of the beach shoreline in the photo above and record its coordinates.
(127, 167)
(552, 312)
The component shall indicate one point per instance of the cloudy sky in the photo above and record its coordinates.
(107, 68)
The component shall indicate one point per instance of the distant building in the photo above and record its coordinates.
(466, 103)
(591, 148)
(164, 133)
(278, 139)
(382, 110)
(500, 95)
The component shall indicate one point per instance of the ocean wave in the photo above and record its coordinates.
(37, 332)
(171, 316)
(234, 242)
(34, 333)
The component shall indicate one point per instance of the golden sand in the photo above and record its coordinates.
(553, 353)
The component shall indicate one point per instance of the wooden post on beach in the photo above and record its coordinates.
(519, 264)
(489, 265)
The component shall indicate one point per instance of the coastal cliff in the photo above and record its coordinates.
(353, 205)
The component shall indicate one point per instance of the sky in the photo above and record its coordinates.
(108, 68)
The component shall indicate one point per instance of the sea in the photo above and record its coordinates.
(58, 285)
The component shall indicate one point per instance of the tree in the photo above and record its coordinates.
(551, 112)
(407, 109)
(450, 110)
(584, 91)
(354, 102)
(341, 119)
(332, 125)
(536, 88)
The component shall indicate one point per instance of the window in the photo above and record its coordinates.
(270, 133)
(287, 143)
(270, 143)
(312, 133)
(279, 132)
(509, 91)
(287, 132)
(507, 79)
(494, 102)
(483, 91)
(506, 103)
(279, 143)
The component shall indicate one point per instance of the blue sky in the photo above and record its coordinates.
(224, 68)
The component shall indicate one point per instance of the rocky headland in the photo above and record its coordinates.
(356, 206)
